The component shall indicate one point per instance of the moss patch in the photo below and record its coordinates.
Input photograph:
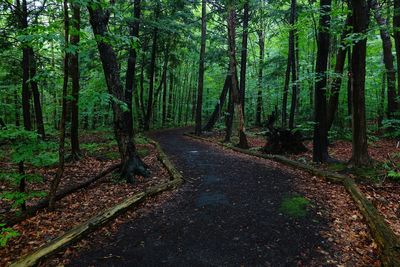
(295, 206)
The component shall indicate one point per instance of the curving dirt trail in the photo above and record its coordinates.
(229, 216)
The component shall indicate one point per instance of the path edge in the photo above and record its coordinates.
(79, 232)
(383, 235)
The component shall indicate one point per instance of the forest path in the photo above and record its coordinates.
(229, 216)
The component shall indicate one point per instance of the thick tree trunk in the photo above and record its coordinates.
(293, 60)
(238, 108)
(387, 58)
(337, 79)
(61, 149)
(396, 34)
(199, 102)
(261, 43)
(243, 58)
(131, 163)
(229, 115)
(74, 69)
(287, 81)
(218, 107)
(131, 68)
(320, 140)
(360, 155)
(349, 85)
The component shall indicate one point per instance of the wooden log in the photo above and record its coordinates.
(97, 221)
(386, 239)
(31, 211)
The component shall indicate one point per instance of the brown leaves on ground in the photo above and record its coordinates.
(81, 205)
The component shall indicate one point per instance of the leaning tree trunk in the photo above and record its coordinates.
(261, 43)
(337, 79)
(74, 69)
(61, 149)
(199, 102)
(360, 155)
(218, 107)
(131, 163)
(387, 58)
(238, 107)
(320, 140)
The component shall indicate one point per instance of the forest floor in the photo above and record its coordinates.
(236, 210)
(374, 181)
(100, 152)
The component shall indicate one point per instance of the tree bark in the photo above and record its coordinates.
(396, 34)
(61, 149)
(360, 155)
(387, 58)
(131, 68)
(293, 56)
(338, 76)
(287, 81)
(75, 76)
(131, 163)
(36, 95)
(199, 102)
(26, 94)
(243, 58)
(320, 140)
(261, 43)
(238, 108)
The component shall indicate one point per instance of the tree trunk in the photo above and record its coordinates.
(320, 140)
(74, 69)
(131, 68)
(36, 95)
(360, 155)
(396, 34)
(238, 108)
(387, 58)
(217, 110)
(292, 56)
(243, 58)
(26, 94)
(61, 149)
(130, 161)
(261, 43)
(286, 85)
(149, 111)
(199, 102)
(337, 79)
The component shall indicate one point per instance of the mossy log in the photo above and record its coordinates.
(97, 221)
(387, 241)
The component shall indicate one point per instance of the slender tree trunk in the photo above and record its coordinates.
(201, 68)
(286, 85)
(337, 79)
(36, 95)
(349, 85)
(61, 149)
(170, 108)
(149, 111)
(229, 116)
(261, 43)
(75, 76)
(243, 58)
(164, 102)
(292, 56)
(26, 94)
(131, 163)
(320, 140)
(360, 155)
(396, 34)
(16, 104)
(131, 69)
(387, 58)
(218, 107)
(238, 108)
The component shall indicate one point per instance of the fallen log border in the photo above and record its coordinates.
(80, 231)
(386, 239)
(42, 204)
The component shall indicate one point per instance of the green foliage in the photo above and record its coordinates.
(18, 198)
(392, 127)
(6, 234)
(295, 206)
(141, 139)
